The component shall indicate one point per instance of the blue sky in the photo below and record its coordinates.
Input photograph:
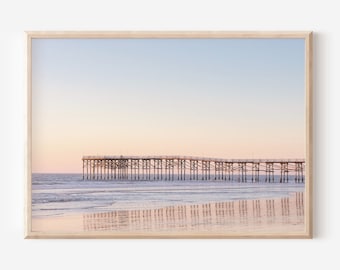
(229, 98)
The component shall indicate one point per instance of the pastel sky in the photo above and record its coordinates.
(225, 98)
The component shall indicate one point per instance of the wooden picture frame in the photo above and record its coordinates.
(105, 219)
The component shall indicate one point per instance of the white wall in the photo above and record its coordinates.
(319, 16)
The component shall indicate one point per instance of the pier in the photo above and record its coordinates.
(192, 168)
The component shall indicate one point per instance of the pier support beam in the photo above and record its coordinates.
(242, 168)
(218, 170)
(169, 169)
(146, 168)
(134, 169)
(299, 172)
(284, 172)
(181, 169)
(205, 170)
(157, 169)
(193, 170)
(269, 172)
(255, 172)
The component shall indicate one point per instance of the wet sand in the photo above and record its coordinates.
(276, 215)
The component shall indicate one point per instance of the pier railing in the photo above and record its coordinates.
(192, 168)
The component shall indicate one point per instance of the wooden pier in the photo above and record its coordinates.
(192, 168)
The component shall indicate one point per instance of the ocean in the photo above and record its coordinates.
(68, 194)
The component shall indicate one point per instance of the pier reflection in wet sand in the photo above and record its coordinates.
(280, 214)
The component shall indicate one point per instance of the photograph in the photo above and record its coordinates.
(169, 135)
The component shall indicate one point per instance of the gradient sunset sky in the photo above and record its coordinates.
(225, 98)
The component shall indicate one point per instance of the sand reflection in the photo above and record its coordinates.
(282, 214)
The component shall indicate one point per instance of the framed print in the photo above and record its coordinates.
(169, 135)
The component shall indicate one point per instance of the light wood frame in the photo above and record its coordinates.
(306, 35)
